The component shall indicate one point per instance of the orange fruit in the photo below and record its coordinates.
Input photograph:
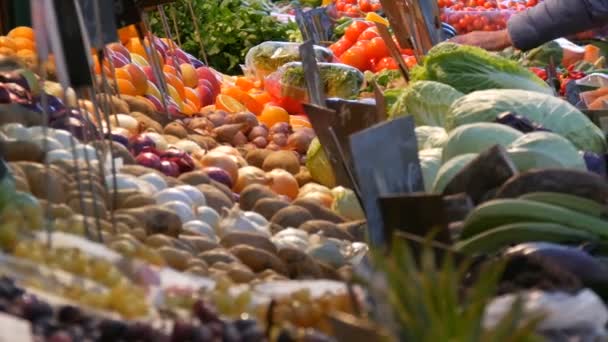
(261, 96)
(254, 106)
(26, 53)
(134, 45)
(168, 69)
(138, 78)
(229, 104)
(8, 43)
(192, 96)
(272, 115)
(4, 51)
(126, 87)
(123, 74)
(126, 33)
(234, 92)
(22, 32)
(24, 44)
(297, 121)
(189, 108)
(177, 84)
(244, 83)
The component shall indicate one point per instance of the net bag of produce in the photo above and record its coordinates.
(288, 85)
(266, 58)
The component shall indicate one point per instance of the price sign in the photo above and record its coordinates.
(99, 16)
(127, 12)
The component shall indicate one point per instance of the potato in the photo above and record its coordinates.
(21, 151)
(118, 151)
(303, 177)
(318, 211)
(158, 240)
(223, 188)
(217, 255)
(256, 157)
(329, 272)
(146, 123)
(253, 240)
(50, 187)
(239, 273)
(61, 211)
(291, 216)
(216, 199)
(357, 229)
(299, 264)
(248, 120)
(205, 142)
(117, 105)
(197, 271)
(171, 139)
(137, 200)
(175, 258)
(259, 260)
(267, 207)
(270, 275)
(127, 219)
(194, 178)
(326, 228)
(120, 228)
(138, 105)
(89, 207)
(222, 266)
(200, 244)
(156, 219)
(138, 170)
(196, 262)
(285, 160)
(252, 194)
(176, 129)
(21, 184)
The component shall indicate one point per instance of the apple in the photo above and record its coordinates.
(206, 95)
(194, 61)
(208, 84)
(161, 47)
(120, 49)
(204, 73)
(182, 57)
(118, 60)
(150, 74)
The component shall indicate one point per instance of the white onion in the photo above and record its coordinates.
(125, 121)
(200, 227)
(64, 137)
(172, 194)
(187, 146)
(122, 131)
(16, 131)
(256, 218)
(154, 179)
(208, 215)
(37, 130)
(59, 154)
(83, 150)
(197, 197)
(159, 141)
(52, 143)
(181, 209)
(124, 182)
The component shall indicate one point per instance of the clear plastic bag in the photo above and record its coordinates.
(266, 58)
(339, 80)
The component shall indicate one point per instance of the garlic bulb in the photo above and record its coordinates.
(234, 220)
(209, 216)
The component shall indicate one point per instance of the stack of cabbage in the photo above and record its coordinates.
(459, 91)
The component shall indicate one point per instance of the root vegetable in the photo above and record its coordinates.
(283, 183)
(273, 147)
(156, 219)
(249, 175)
(219, 175)
(300, 141)
(158, 240)
(357, 229)
(285, 160)
(326, 228)
(280, 127)
(248, 120)
(199, 243)
(267, 207)
(205, 142)
(194, 178)
(252, 194)
(252, 240)
(176, 129)
(259, 260)
(216, 199)
(291, 216)
(223, 161)
(303, 177)
(260, 142)
(137, 200)
(217, 255)
(280, 139)
(226, 133)
(175, 258)
(146, 123)
(317, 211)
(200, 123)
(258, 131)
(239, 139)
(256, 157)
(218, 118)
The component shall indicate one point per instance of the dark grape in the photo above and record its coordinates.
(204, 312)
(231, 333)
(253, 334)
(60, 336)
(69, 314)
(112, 330)
(182, 331)
(244, 324)
(202, 334)
(34, 310)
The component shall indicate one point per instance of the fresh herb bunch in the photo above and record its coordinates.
(228, 28)
(429, 303)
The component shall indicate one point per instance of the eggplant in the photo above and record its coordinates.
(590, 271)
(519, 122)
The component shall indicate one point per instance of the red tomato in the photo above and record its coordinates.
(407, 52)
(339, 47)
(351, 2)
(377, 48)
(531, 3)
(386, 63)
(369, 33)
(340, 6)
(365, 5)
(355, 29)
(367, 49)
(355, 57)
(376, 7)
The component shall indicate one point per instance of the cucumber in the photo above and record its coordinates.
(576, 203)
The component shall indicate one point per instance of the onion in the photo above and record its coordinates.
(280, 127)
(55, 155)
(139, 142)
(250, 175)
(64, 137)
(119, 138)
(169, 168)
(52, 144)
(159, 140)
(314, 187)
(319, 197)
(156, 180)
(208, 215)
(188, 146)
(83, 151)
(227, 149)
(201, 228)
(197, 197)
(123, 182)
(219, 175)
(181, 209)
(16, 131)
(172, 194)
(258, 131)
(223, 161)
(181, 158)
(283, 183)
(256, 218)
(148, 159)
(125, 121)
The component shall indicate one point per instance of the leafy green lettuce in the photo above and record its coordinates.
(478, 137)
(427, 101)
(468, 69)
(430, 162)
(430, 137)
(544, 150)
(551, 112)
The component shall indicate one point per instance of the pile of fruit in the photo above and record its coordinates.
(480, 15)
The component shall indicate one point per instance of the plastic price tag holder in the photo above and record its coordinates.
(107, 21)
(381, 108)
(398, 22)
(72, 42)
(385, 159)
(312, 76)
(457, 207)
(321, 120)
(304, 25)
(394, 50)
(315, 25)
(488, 171)
(127, 13)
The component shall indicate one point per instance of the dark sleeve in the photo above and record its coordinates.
(553, 19)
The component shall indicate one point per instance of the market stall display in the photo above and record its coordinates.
(185, 204)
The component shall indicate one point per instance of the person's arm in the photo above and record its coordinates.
(552, 19)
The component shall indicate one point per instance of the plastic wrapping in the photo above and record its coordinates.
(266, 58)
(468, 20)
(288, 85)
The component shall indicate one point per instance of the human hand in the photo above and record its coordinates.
(491, 41)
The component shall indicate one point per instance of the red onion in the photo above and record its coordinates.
(139, 142)
(185, 163)
(280, 127)
(169, 168)
(121, 139)
(149, 159)
(173, 153)
(218, 174)
(5, 97)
